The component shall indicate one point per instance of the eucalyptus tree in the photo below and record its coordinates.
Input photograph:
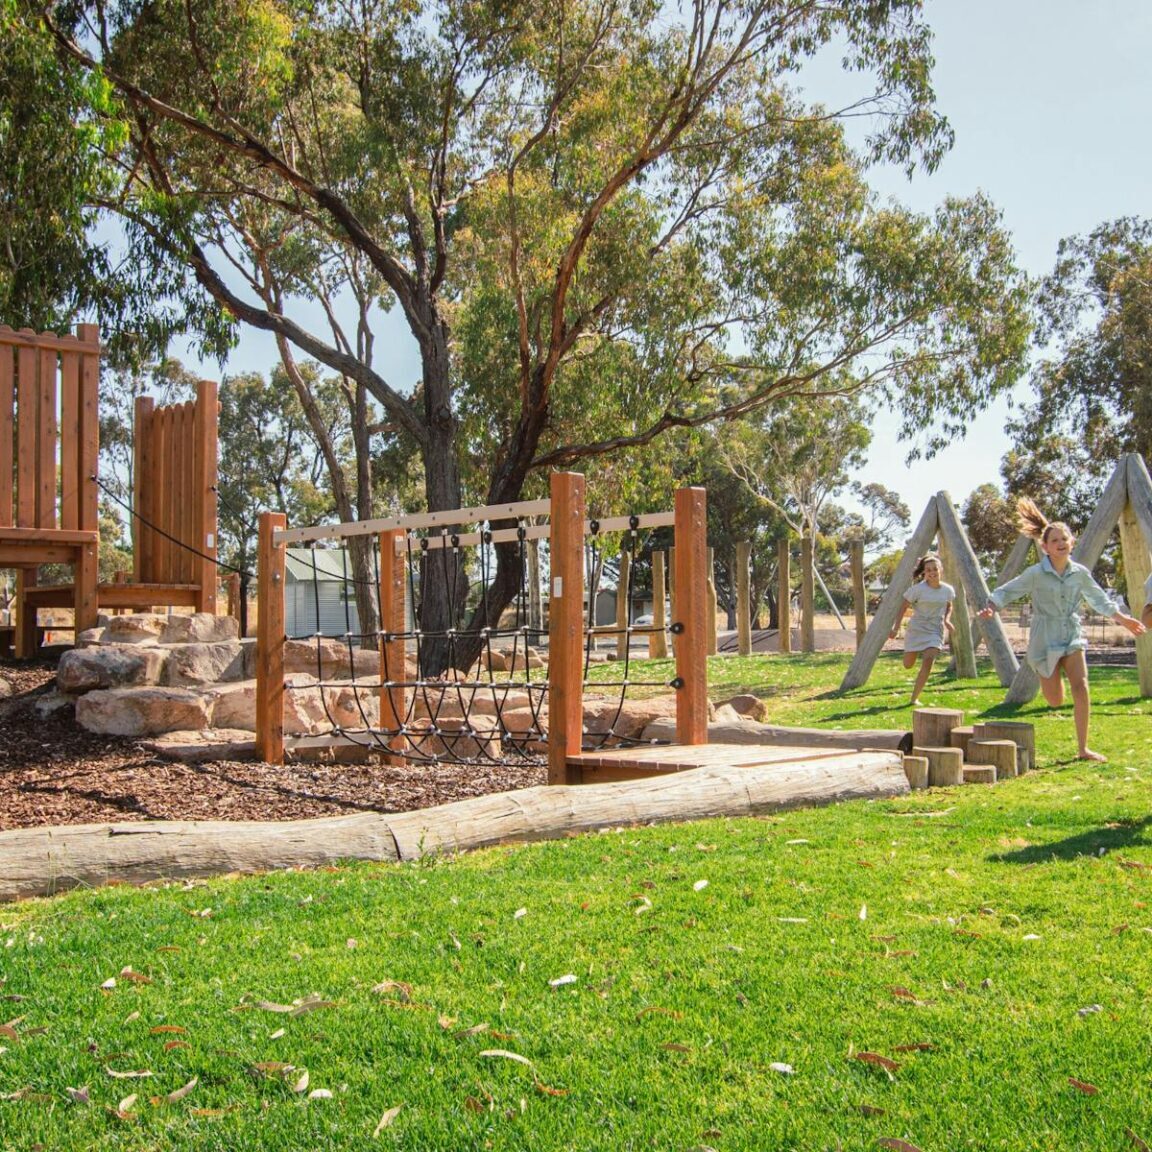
(1092, 386)
(599, 220)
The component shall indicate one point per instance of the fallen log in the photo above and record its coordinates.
(753, 732)
(43, 861)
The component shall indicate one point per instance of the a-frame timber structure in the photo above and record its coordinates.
(1127, 503)
(939, 520)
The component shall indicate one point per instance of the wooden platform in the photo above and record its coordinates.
(638, 763)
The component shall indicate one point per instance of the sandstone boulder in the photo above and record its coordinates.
(194, 664)
(141, 711)
(110, 666)
(330, 659)
(200, 628)
(749, 706)
(134, 628)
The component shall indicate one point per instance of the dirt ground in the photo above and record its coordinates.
(54, 772)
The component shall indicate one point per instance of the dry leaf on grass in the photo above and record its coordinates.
(1137, 1143)
(125, 1105)
(474, 1105)
(77, 1095)
(475, 1030)
(921, 1047)
(386, 1120)
(180, 1093)
(320, 1094)
(8, 1032)
(134, 977)
(674, 1047)
(143, 1074)
(301, 1085)
(172, 1045)
(560, 981)
(878, 1061)
(783, 1069)
(504, 1054)
(545, 1090)
(897, 1145)
(1083, 1086)
(872, 1110)
(394, 988)
(161, 1029)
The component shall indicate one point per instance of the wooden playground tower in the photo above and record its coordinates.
(49, 492)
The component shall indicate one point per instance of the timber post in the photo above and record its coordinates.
(807, 595)
(691, 617)
(270, 639)
(658, 637)
(566, 627)
(393, 669)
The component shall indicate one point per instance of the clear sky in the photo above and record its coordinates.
(1050, 102)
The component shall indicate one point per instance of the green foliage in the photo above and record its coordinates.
(268, 459)
(1093, 388)
(990, 522)
(50, 174)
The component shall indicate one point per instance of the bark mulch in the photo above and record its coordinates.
(54, 772)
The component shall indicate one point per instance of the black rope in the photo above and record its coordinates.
(167, 536)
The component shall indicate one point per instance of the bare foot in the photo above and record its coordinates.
(1088, 754)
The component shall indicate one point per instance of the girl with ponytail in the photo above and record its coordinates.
(1057, 586)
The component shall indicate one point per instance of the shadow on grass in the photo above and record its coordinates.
(1097, 842)
(857, 712)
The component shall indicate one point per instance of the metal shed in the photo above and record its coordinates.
(319, 578)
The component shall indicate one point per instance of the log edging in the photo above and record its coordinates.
(49, 860)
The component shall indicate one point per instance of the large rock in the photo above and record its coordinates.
(135, 628)
(626, 719)
(110, 666)
(200, 628)
(233, 706)
(141, 711)
(312, 709)
(195, 664)
(330, 659)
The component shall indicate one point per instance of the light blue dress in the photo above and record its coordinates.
(1056, 629)
(926, 625)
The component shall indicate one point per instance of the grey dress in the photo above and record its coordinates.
(926, 626)
(1056, 599)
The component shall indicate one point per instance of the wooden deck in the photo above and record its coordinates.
(662, 759)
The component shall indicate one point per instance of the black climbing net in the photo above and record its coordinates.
(489, 704)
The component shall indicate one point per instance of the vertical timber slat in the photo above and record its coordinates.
(207, 449)
(691, 611)
(70, 483)
(143, 487)
(807, 595)
(859, 592)
(566, 627)
(743, 598)
(658, 638)
(7, 431)
(26, 439)
(46, 439)
(87, 573)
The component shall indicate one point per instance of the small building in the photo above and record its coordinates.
(319, 592)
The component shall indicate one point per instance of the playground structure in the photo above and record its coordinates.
(470, 717)
(1126, 503)
(49, 486)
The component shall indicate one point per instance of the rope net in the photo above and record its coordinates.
(490, 704)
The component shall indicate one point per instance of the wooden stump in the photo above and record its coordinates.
(945, 765)
(959, 737)
(979, 773)
(1001, 753)
(931, 726)
(1022, 734)
(1023, 760)
(916, 769)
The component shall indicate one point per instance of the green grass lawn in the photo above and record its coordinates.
(966, 968)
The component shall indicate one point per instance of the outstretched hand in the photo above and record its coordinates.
(1131, 623)
(987, 612)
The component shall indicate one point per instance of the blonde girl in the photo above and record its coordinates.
(930, 601)
(1057, 586)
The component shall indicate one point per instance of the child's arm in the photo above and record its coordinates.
(949, 627)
